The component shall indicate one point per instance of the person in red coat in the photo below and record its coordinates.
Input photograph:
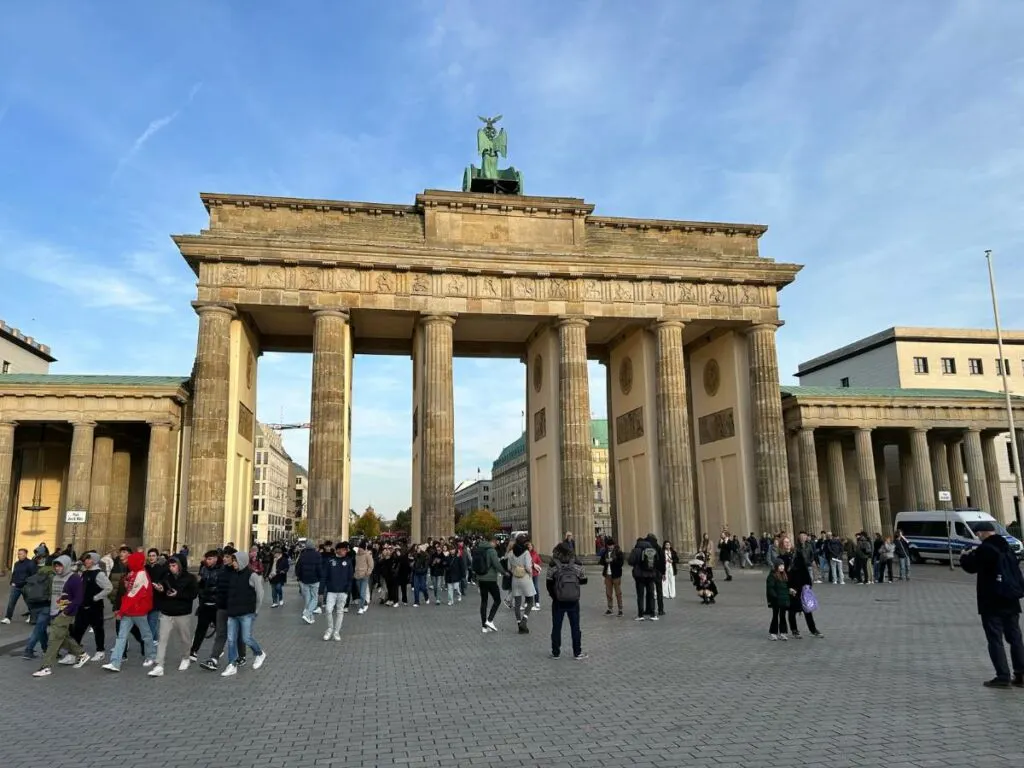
(135, 607)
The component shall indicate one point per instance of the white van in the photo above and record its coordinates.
(933, 534)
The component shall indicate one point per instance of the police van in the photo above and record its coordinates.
(933, 535)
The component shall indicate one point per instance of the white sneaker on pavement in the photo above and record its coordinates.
(184, 665)
(67, 659)
(5, 620)
(156, 671)
(229, 670)
(258, 661)
(98, 656)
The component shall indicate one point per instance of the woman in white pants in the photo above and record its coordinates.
(668, 581)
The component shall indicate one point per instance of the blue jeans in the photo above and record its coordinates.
(41, 617)
(309, 594)
(536, 588)
(823, 570)
(419, 584)
(12, 601)
(153, 618)
(559, 611)
(904, 569)
(364, 592)
(127, 622)
(245, 624)
(277, 593)
(439, 586)
(838, 577)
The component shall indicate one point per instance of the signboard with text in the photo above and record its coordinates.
(74, 516)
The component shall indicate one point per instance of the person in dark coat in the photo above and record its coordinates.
(997, 569)
(799, 571)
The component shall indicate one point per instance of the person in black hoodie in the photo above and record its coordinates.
(999, 589)
(178, 590)
(221, 636)
(337, 581)
(97, 587)
(156, 568)
(645, 572)
(209, 574)
(659, 587)
(611, 562)
(244, 598)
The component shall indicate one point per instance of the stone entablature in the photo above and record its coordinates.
(81, 398)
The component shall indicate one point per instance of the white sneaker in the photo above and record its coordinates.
(98, 656)
(156, 671)
(258, 661)
(485, 630)
(230, 670)
(148, 662)
(5, 620)
(536, 607)
(309, 619)
(336, 637)
(783, 637)
(327, 635)
(490, 626)
(67, 659)
(773, 637)
(111, 668)
(44, 672)
(450, 603)
(82, 660)
(318, 610)
(184, 665)
(361, 611)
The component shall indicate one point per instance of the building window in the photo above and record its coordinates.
(259, 442)
(255, 519)
(920, 365)
(948, 365)
(845, 382)
(1009, 457)
(1002, 365)
(975, 366)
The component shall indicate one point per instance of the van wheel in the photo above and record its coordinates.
(916, 558)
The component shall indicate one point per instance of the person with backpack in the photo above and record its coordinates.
(565, 577)
(487, 568)
(1000, 587)
(23, 568)
(37, 593)
(644, 561)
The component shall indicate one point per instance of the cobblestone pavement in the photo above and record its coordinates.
(896, 682)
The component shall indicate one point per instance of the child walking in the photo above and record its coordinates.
(777, 591)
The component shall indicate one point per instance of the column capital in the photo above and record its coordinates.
(573, 320)
(8, 423)
(329, 312)
(869, 430)
(969, 430)
(429, 318)
(919, 430)
(667, 323)
(162, 424)
(83, 423)
(757, 327)
(214, 307)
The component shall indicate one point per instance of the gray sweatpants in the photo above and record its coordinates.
(182, 626)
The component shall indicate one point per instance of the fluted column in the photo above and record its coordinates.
(208, 456)
(976, 482)
(956, 474)
(577, 486)
(120, 477)
(769, 436)
(810, 490)
(884, 502)
(867, 481)
(839, 506)
(327, 425)
(158, 522)
(438, 422)
(990, 455)
(924, 486)
(940, 472)
(795, 481)
(908, 483)
(677, 504)
(80, 466)
(7, 429)
(98, 519)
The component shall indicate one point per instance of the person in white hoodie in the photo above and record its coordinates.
(90, 615)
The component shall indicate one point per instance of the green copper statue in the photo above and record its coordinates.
(491, 144)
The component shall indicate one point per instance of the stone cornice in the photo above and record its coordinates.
(564, 207)
(672, 225)
(214, 199)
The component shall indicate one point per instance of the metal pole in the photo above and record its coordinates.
(1006, 383)
(949, 540)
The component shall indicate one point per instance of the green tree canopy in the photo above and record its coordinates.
(403, 521)
(302, 528)
(480, 522)
(368, 525)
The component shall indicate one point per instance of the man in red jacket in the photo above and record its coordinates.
(135, 607)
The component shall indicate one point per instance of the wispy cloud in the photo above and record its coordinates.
(154, 127)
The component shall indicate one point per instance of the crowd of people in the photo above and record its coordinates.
(154, 595)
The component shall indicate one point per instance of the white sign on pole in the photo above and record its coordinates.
(945, 496)
(74, 516)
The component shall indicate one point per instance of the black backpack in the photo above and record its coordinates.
(37, 589)
(649, 562)
(1009, 580)
(567, 584)
(480, 567)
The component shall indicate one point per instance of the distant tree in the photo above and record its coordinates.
(302, 528)
(367, 526)
(403, 521)
(480, 522)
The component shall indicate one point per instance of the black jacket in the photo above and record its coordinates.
(210, 583)
(186, 587)
(613, 559)
(984, 561)
(308, 568)
(243, 591)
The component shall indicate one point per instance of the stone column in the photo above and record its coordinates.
(884, 503)
(98, 519)
(955, 460)
(208, 455)
(839, 506)
(158, 522)
(990, 455)
(908, 483)
(977, 485)
(769, 435)
(120, 477)
(809, 484)
(867, 481)
(80, 466)
(795, 482)
(677, 504)
(438, 419)
(577, 467)
(924, 486)
(327, 425)
(940, 472)
(7, 519)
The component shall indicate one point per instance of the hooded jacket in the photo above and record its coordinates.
(209, 583)
(364, 563)
(138, 589)
(308, 567)
(72, 592)
(984, 561)
(57, 585)
(97, 586)
(185, 588)
(490, 556)
(244, 589)
(636, 559)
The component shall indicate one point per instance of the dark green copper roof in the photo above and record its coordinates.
(73, 380)
(515, 449)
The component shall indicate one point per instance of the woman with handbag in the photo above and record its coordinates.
(520, 565)
(799, 578)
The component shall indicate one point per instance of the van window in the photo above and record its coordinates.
(963, 531)
(911, 528)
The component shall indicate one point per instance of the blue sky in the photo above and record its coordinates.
(883, 144)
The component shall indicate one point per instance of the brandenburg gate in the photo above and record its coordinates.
(683, 314)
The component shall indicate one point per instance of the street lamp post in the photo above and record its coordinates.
(1003, 365)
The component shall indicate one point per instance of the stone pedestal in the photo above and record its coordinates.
(976, 482)
(158, 522)
(810, 488)
(208, 457)
(924, 485)
(769, 437)
(328, 519)
(991, 444)
(438, 419)
(120, 478)
(839, 506)
(7, 429)
(98, 520)
(677, 502)
(940, 472)
(577, 469)
(867, 481)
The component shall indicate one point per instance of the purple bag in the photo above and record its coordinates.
(808, 601)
